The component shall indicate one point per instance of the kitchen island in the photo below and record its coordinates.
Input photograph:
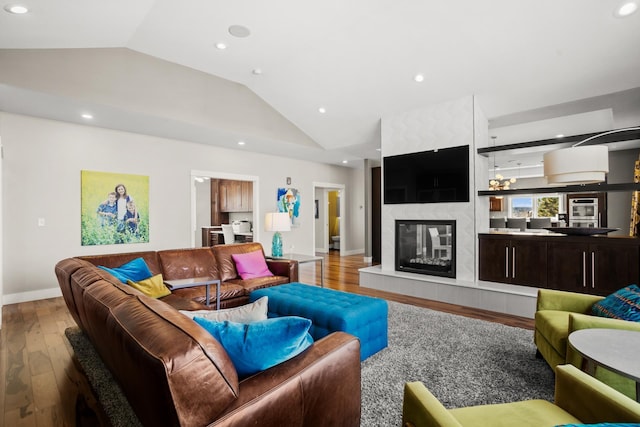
(596, 265)
(213, 235)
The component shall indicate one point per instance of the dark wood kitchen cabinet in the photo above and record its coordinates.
(513, 259)
(599, 267)
(596, 265)
(235, 196)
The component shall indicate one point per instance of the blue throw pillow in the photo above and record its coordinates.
(256, 346)
(622, 304)
(135, 270)
(601, 425)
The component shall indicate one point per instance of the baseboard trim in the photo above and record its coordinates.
(31, 296)
(351, 252)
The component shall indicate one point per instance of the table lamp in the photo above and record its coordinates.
(277, 222)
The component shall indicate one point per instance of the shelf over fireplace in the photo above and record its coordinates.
(426, 246)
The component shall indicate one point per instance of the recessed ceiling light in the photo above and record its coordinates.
(16, 9)
(345, 161)
(241, 142)
(257, 71)
(419, 78)
(560, 135)
(221, 46)
(239, 31)
(626, 9)
(87, 116)
(322, 110)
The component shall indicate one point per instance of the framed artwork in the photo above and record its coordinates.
(114, 208)
(289, 201)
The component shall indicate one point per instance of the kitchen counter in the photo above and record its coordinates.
(213, 235)
(598, 264)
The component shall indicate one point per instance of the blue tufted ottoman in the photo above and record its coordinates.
(331, 311)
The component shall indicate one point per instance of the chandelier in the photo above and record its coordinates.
(499, 182)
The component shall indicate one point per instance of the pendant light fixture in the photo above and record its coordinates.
(499, 182)
(579, 164)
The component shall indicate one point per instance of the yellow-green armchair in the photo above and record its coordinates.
(579, 398)
(559, 313)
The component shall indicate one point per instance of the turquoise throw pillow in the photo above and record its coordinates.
(623, 304)
(601, 425)
(256, 346)
(135, 270)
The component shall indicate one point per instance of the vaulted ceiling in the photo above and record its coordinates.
(357, 59)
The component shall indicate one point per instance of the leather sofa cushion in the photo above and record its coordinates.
(249, 285)
(226, 265)
(188, 263)
(554, 326)
(198, 293)
(116, 260)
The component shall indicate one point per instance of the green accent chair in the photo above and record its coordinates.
(579, 398)
(559, 313)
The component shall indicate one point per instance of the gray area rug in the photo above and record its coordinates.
(462, 361)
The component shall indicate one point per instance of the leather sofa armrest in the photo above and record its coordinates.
(284, 267)
(421, 408)
(320, 386)
(590, 400)
(550, 299)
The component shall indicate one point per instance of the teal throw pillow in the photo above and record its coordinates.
(622, 304)
(135, 270)
(601, 425)
(256, 346)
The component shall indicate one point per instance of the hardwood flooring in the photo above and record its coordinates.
(37, 371)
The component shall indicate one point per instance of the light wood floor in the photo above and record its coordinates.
(36, 368)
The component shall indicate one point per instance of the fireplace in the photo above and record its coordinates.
(426, 246)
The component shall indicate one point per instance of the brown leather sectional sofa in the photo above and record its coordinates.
(174, 373)
(214, 261)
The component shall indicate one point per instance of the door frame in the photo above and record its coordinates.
(326, 187)
(225, 175)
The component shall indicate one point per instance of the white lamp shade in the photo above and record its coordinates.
(577, 165)
(277, 221)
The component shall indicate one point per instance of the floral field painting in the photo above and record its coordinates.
(115, 208)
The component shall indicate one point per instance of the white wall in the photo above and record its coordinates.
(203, 209)
(41, 179)
(449, 124)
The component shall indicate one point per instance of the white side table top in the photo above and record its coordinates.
(613, 349)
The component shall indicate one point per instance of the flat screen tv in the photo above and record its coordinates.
(436, 176)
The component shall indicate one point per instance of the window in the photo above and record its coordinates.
(543, 206)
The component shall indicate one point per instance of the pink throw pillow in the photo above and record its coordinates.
(251, 265)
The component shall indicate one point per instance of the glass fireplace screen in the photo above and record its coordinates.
(426, 247)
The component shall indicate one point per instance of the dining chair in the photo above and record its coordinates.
(497, 223)
(520, 223)
(540, 223)
(228, 234)
(436, 246)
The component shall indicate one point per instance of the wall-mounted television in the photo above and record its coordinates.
(436, 176)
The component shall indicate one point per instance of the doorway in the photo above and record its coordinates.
(328, 232)
(201, 202)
